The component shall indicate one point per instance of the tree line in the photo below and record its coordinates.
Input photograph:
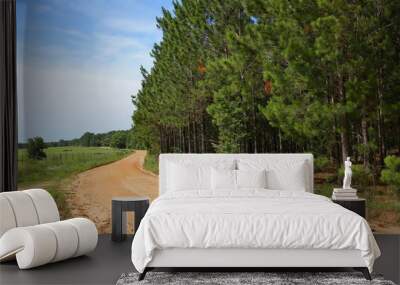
(117, 139)
(253, 76)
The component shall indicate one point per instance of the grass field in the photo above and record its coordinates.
(61, 164)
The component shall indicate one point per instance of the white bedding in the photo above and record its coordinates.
(252, 218)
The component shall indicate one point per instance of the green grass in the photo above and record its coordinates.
(61, 164)
(151, 163)
(324, 189)
(388, 206)
(376, 209)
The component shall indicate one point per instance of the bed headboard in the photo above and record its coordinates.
(208, 158)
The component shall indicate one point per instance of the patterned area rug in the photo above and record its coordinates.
(230, 278)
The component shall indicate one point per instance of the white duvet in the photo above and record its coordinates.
(250, 219)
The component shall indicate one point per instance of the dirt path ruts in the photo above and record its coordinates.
(93, 190)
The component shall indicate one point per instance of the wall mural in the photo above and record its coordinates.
(104, 88)
(78, 66)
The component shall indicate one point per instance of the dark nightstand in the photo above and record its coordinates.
(356, 205)
(121, 205)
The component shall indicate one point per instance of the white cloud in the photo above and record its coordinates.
(104, 48)
(121, 49)
(111, 44)
(132, 26)
(70, 32)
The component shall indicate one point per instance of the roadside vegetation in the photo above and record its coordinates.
(55, 171)
(151, 162)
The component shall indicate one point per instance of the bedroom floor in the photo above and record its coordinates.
(110, 260)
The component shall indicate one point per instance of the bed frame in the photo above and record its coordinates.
(245, 259)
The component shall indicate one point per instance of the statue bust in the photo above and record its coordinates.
(347, 174)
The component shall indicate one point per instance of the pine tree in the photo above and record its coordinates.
(274, 76)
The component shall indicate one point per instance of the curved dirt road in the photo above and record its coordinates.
(92, 190)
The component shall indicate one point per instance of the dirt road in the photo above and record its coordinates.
(92, 190)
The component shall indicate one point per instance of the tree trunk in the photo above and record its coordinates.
(183, 140)
(195, 150)
(254, 120)
(189, 137)
(344, 133)
(180, 139)
(380, 84)
(345, 145)
(280, 141)
(398, 135)
(381, 135)
(161, 139)
(364, 132)
(202, 134)
(334, 148)
(168, 139)
(174, 139)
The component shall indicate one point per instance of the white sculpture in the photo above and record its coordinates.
(347, 174)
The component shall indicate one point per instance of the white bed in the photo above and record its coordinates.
(248, 227)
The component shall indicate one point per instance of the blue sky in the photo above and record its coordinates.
(78, 63)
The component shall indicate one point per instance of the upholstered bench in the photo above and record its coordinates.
(31, 230)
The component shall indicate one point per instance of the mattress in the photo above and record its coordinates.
(250, 219)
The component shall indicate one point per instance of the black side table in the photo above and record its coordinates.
(121, 205)
(356, 205)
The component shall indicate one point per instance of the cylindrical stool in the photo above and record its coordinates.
(121, 205)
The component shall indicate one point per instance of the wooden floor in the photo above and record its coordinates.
(110, 260)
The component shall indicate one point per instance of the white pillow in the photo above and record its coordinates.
(186, 174)
(251, 178)
(281, 174)
(288, 176)
(223, 179)
(188, 177)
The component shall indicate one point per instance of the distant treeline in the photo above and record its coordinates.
(116, 139)
(274, 76)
